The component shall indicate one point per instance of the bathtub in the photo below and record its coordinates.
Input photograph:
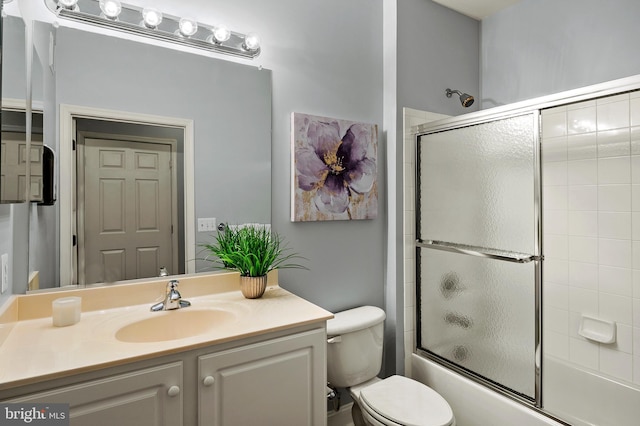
(585, 398)
(602, 402)
(472, 403)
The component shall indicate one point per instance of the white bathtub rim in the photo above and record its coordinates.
(472, 403)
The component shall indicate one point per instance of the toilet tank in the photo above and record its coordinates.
(354, 345)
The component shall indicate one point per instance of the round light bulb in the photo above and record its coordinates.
(187, 27)
(151, 17)
(110, 8)
(68, 4)
(221, 34)
(251, 42)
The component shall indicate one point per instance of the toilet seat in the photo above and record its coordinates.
(399, 400)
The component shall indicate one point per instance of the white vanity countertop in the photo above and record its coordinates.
(32, 349)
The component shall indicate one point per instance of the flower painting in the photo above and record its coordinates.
(334, 170)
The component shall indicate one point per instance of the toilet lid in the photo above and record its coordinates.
(407, 402)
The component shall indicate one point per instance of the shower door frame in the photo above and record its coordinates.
(618, 86)
(468, 121)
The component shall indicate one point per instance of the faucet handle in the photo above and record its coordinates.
(172, 299)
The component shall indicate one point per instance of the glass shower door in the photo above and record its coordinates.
(478, 250)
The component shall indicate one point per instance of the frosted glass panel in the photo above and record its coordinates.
(477, 185)
(479, 313)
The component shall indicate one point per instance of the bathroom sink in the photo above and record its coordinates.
(175, 324)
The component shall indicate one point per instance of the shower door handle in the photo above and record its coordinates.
(489, 253)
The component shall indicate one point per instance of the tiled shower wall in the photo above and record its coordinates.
(591, 224)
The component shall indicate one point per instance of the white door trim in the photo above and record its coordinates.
(65, 198)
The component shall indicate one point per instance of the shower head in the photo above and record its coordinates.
(465, 99)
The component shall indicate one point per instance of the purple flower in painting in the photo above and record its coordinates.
(336, 167)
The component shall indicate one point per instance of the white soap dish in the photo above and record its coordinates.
(597, 330)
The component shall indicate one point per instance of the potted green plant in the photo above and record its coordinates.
(253, 251)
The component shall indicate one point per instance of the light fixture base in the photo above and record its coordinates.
(88, 12)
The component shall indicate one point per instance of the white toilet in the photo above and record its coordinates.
(354, 357)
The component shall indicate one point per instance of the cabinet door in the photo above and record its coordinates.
(148, 397)
(279, 382)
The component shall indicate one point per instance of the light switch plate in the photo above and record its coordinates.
(206, 224)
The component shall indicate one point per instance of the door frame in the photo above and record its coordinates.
(66, 184)
(79, 263)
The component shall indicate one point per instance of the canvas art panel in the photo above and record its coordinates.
(334, 169)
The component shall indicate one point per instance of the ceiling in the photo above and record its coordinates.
(477, 9)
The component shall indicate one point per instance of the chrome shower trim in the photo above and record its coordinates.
(467, 120)
(507, 256)
(537, 247)
(471, 375)
(621, 85)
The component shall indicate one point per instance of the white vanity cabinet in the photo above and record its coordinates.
(276, 378)
(275, 382)
(146, 397)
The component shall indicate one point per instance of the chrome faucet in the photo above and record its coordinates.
(172, 299)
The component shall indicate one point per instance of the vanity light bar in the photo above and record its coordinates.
(130, 20)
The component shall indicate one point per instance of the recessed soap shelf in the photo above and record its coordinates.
(598, 330)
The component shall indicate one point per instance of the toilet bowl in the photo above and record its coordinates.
(354, 358)
(398, 400)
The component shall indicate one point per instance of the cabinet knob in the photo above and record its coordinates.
(173, 391)
(208, 381)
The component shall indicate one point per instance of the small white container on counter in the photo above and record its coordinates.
(66, 311)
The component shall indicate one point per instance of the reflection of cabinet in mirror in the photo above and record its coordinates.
(14, 157)
(13, 163)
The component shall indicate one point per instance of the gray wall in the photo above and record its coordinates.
(13, 54)
(6, 245)
(437, 49)
(326, 59)
(20, 251)
(540, 47)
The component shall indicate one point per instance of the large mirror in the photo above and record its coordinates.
(148, 140)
